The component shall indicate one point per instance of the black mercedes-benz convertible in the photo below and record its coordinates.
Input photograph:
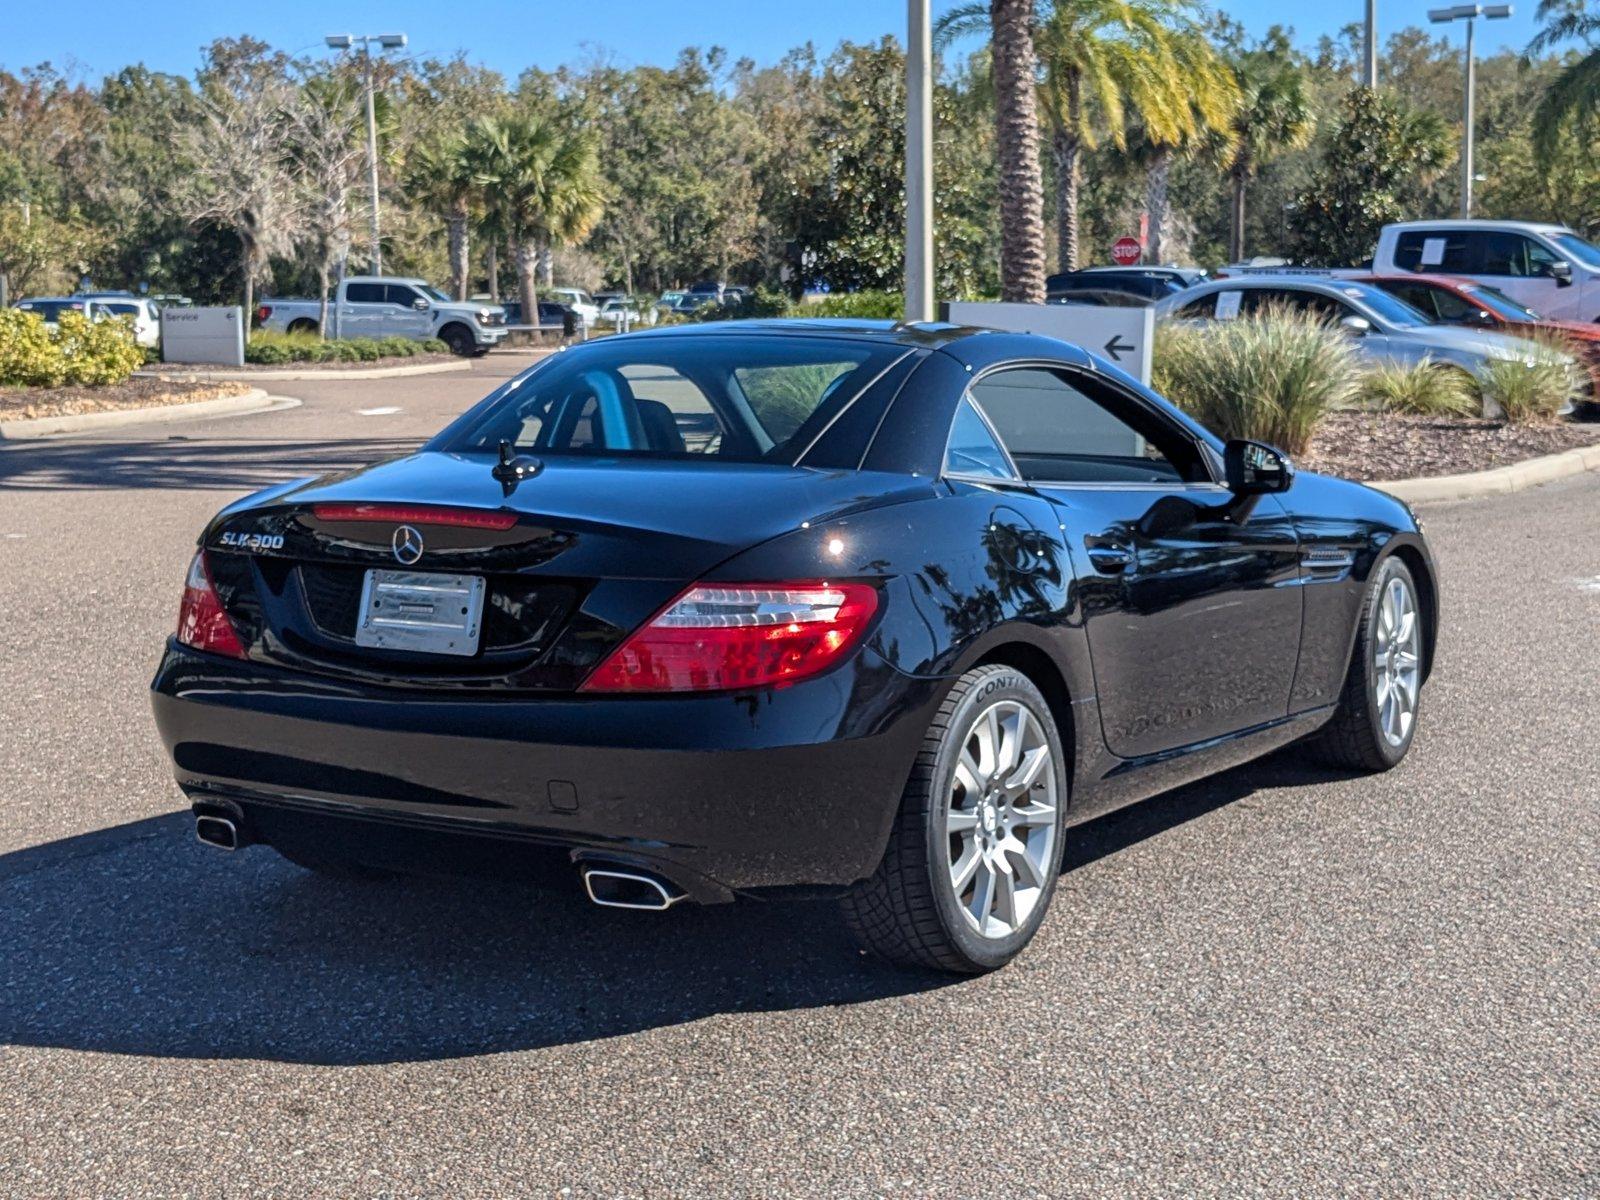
(786, 608)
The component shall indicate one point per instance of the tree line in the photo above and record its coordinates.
(249, 177)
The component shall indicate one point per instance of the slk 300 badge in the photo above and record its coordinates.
(253, 542)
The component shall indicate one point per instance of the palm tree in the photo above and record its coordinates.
(1105, 62)
(1017, 143)
(441, 177)
(1213, 99)
(541, 185)
(1575, 94)
(1273, 117)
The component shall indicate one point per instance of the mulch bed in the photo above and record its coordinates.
(26, 404)
(1377, 446)
(402, 360)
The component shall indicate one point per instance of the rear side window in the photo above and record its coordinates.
(1444, 251)
(972, 449)
(364, 293)
(1202, 309)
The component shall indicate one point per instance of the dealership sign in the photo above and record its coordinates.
(203, 335)
(1121, 336)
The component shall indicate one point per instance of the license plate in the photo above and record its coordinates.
(421, 611)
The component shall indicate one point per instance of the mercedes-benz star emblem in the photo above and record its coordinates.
(407, 544)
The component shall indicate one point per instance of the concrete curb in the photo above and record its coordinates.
(1498, 481)
(304, 373)
(255, 400)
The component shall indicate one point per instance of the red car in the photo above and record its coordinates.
(1448, 301)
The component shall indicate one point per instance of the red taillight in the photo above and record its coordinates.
(262, 313)
(719, 636)
(201, 621)
(416, 514)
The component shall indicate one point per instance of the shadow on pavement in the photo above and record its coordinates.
(136, 940)
(177, 462)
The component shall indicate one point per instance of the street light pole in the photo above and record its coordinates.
(1369, 73)
(1468, 13)
(386, 41)
(919, 163)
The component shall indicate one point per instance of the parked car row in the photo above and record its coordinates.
(142, 314)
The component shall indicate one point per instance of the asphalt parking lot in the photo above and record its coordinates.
(1279, 982)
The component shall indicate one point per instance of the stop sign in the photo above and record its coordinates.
(1127, 251)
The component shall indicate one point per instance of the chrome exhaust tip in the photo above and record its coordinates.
(629, 889)
(216, 831)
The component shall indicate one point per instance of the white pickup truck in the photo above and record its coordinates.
(1548, 268)
(379, 306)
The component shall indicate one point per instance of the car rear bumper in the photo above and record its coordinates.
(789, 788)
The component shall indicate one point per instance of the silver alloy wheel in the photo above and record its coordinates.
(1397, 661)
(1001, 819)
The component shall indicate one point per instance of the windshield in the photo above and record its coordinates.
(731, 399)
(433, 293)
(1585, 252)
(1503, 305)
(1390, 310)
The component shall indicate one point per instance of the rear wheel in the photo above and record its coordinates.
(459, 339)
(1378, 709)
(303, 325)
(975, 851)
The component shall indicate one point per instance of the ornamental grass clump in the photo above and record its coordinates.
(1534, 388)
(1423, 389)
(1269, 378)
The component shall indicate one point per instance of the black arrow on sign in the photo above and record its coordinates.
(1116, 347)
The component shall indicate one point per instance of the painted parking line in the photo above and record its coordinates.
(383, 410)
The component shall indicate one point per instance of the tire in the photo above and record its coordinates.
(302, 325)
(460, 340)
(1364, 734)
(911, 911)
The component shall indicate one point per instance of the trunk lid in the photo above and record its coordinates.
(590, 549)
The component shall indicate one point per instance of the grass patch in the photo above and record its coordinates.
(1536, 389)
(1423, 389)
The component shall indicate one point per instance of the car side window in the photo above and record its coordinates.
(1202, 309)
(972, 449)
(400, 294)
(1452, 253)
(1068, 427)
(364, 293)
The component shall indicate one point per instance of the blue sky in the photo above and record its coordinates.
(97, 36)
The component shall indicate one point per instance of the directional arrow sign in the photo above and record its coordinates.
(1115, 348)
(1121, 336)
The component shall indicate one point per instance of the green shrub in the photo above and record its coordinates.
(890, 306)
(760, 303)
(1423, 389)
(1270, 378)
(78, 352)
(270, 348)
(1535, 388)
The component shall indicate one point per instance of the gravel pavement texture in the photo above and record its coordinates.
(1278, 983)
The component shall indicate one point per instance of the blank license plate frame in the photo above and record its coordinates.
(421, 611)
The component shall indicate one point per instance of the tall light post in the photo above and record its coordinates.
(919, 163)
(1470, 14)
(1369, 67)
(386, 41)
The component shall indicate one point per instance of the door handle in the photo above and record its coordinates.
(1109, 555)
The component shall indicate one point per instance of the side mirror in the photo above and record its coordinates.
(420, 304)
(1256, 469)
(1359, 326)
(1561, 272)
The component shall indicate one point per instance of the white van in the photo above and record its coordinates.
(1548, 268)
